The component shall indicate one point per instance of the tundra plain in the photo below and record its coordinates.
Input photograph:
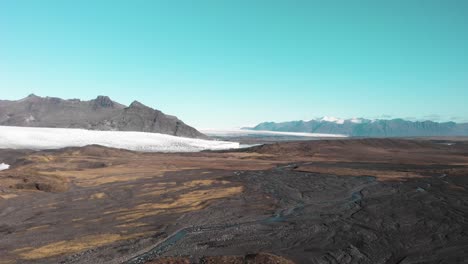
(323, 201)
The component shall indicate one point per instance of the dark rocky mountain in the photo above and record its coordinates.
(98, 114)
(369, 128)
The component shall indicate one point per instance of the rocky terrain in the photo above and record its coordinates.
(98, 114)
(360, 127)
(324, 201)
(260, 258)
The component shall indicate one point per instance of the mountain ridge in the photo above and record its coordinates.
(101, 113)
(361, 127)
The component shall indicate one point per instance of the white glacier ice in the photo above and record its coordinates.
(4, 166)
(243, 132)
(54, 138)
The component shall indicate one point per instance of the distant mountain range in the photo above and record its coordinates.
(98, 114)
(361, 127)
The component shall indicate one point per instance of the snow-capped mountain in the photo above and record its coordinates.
(340, 121)
(361, 127)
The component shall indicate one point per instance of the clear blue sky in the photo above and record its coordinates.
(229, 63)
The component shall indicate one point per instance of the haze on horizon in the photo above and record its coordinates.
(224, 64)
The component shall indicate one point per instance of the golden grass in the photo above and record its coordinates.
(129, 225)
(159, 189)
(381, 175)
(8, 196)
(187, 202)
(72, 246)
(7, 261)
(97, 196)
(95, 220)
(163, 188)
(56, 170)
(41, 158)
(132, 215)
(37, 227)
(100, 176)
(196, 183)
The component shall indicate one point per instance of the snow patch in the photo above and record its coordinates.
(54, 138)
(332, 120)
(30, 119)
(4, 166)
(341, 121)
(356, 120)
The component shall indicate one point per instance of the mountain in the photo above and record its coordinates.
(360, 127)
(98, 114)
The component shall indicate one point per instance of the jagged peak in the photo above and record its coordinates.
(136, 104)
(31, 97)
(103, 101)
(102, 96)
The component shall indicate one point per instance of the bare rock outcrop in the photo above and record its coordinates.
(98, 114)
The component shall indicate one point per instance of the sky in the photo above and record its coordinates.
(234, 63)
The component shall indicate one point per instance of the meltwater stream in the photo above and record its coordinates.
(281, 216)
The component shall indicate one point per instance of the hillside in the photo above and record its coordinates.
(360, 127)
(98, 114)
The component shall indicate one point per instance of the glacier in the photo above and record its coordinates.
(36, 138)
(4, 166)
(244, 132)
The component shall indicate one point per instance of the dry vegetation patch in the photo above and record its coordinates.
(72, 246)
(381, 175)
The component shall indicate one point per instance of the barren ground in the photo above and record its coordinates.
(327, 201)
